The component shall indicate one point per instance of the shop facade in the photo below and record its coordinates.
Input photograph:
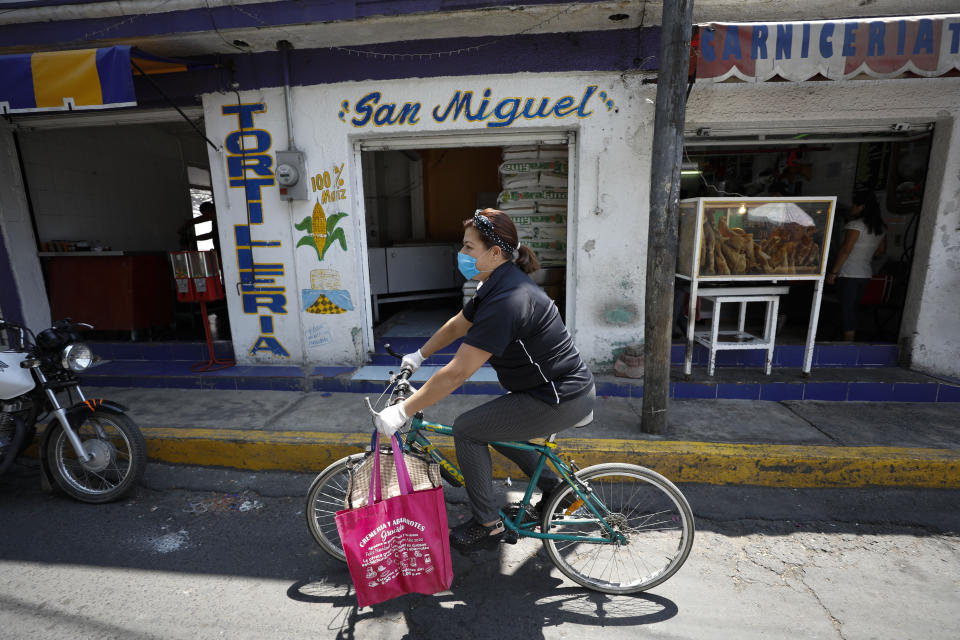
(299, 258)
(874, 87)
(292, 253)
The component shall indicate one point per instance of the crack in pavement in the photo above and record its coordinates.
(790, 573)
(836, 622)
(811, 423)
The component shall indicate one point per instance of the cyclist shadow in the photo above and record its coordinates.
(528, 598)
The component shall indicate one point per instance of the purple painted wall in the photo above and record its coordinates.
(89, 31)
(621, 50)
(10, 304)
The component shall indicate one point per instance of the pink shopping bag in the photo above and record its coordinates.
(398, 545)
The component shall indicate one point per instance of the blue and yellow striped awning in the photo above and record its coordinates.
(74, 80)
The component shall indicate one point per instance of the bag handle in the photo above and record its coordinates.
(403, 475)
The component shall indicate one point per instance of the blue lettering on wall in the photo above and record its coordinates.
(826, 39)
(506, 112)
(459, 105)
(543, 111)
(784, 41)
(849, 39)
(731, 44)
(954, 37)
(259, 164)
(758, 44)
(924, 37)
(877, 32)
(249, 167)
(370, 109)
(239, 142)
(706, 44)
(923, 42)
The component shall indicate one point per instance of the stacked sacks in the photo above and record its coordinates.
(534, 180)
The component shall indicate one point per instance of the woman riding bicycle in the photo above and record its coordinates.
(512, 323)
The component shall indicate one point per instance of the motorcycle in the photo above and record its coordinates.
(90, 449)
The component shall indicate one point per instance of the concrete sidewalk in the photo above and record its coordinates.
(783, 444)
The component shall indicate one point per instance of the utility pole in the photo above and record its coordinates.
(671, 108)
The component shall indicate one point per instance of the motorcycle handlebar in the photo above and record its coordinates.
(68, 324)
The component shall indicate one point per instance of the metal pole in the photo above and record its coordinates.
(674, 62)
(285, 47)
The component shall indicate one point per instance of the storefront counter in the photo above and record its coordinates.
(111, 290)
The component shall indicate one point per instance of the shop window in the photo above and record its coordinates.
(839, 165)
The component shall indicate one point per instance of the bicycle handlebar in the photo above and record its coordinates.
(401, 379)
(392, 352)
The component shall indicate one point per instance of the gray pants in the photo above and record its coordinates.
(515, 416)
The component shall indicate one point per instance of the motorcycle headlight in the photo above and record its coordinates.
(76, 357)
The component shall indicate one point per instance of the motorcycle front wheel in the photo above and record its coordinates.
(118, 457)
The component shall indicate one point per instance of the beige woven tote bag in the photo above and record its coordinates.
(424, 474)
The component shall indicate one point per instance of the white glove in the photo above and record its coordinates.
(412, 360)
(390, 419)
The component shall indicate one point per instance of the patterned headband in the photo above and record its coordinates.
(486, 228)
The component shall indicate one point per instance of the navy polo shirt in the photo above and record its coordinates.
(519, 325)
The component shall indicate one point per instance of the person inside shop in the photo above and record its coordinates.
(511, 323)
(188, 230)
(863, 238)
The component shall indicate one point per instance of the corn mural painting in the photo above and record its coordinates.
(328, 298)
(323, 231)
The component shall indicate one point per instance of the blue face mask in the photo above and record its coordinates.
(468, 266)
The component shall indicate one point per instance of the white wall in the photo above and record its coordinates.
(123, 186)
(930, 332)
(608, 216)
(16, 233)
(931, 321)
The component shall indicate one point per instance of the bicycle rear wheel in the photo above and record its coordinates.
(327, 495)
(644, 507)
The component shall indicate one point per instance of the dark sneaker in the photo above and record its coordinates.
(473, 536)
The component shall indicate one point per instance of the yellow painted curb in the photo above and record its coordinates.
(795, 466)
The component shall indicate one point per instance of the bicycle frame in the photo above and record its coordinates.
(526, 529)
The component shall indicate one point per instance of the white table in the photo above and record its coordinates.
(715, 340)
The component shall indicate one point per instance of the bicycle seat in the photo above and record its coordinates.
(553, 436)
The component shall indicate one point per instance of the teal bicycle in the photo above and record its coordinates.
(614, 527)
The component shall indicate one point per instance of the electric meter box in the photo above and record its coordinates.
(291, 173)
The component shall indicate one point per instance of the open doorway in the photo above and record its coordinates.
(108, 205)
(416, 201)
(892, 168)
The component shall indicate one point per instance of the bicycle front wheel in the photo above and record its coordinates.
(327, 495)
(653, 520)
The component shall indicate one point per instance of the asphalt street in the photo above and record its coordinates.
(211, 553)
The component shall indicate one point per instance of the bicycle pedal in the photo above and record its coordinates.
(530, 514)
(510, 537)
